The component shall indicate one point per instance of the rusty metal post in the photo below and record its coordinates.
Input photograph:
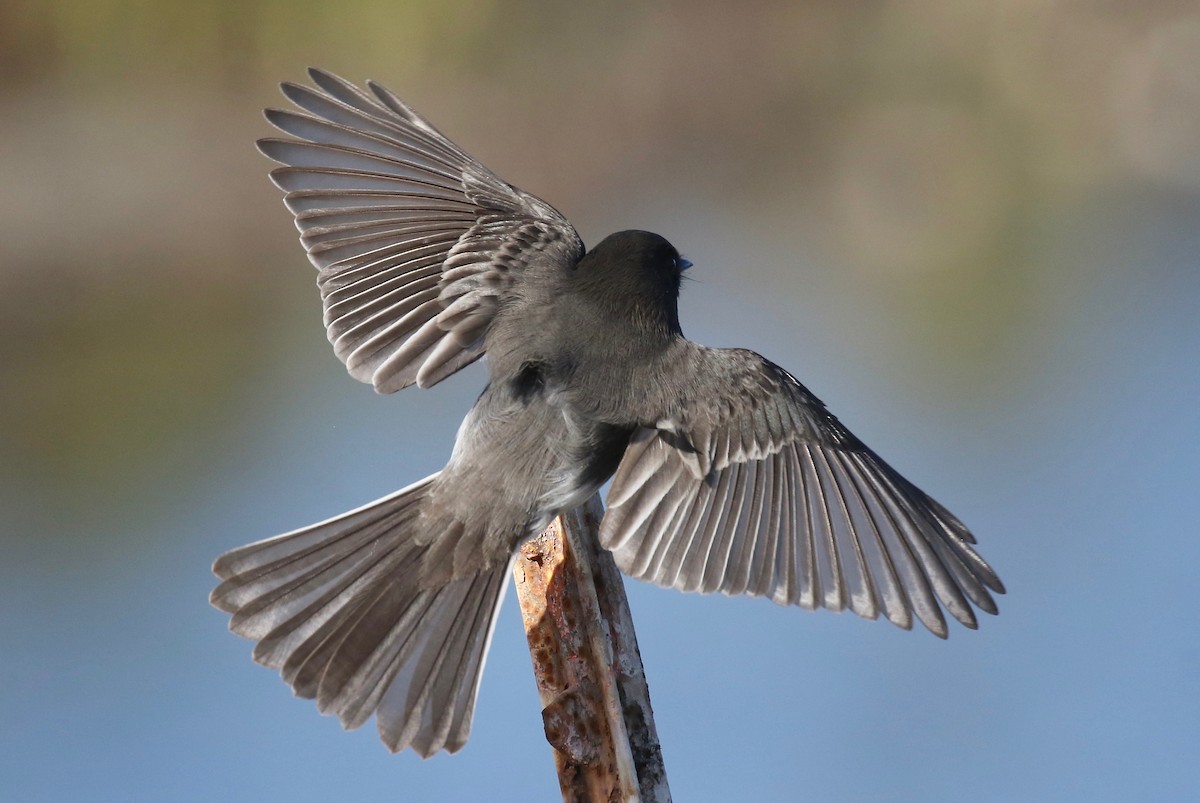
(595, 701)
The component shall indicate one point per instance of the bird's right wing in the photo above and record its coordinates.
(755, 488)
(417, 244)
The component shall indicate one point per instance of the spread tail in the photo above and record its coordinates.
(337, 608)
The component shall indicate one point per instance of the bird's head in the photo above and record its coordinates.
(636, 273)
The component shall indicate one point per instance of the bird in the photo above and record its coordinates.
(728, 475)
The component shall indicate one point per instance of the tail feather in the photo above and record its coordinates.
(339, 610)
(408, 710)
(317, 541)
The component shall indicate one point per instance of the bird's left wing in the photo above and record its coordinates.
(753, 487)
(417, 244)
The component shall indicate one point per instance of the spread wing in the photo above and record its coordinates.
(417, 244)
(757, 489)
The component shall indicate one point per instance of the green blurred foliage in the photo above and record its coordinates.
(924, 156)
(106, 374)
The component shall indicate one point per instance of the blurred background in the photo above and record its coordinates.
(971, 228)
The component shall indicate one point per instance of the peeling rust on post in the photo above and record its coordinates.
(595, 702)
(633, 699)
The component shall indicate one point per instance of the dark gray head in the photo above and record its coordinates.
(638, 272)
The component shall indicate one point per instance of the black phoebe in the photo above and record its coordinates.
(729, 475)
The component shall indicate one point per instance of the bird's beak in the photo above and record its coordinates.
(684, 264)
